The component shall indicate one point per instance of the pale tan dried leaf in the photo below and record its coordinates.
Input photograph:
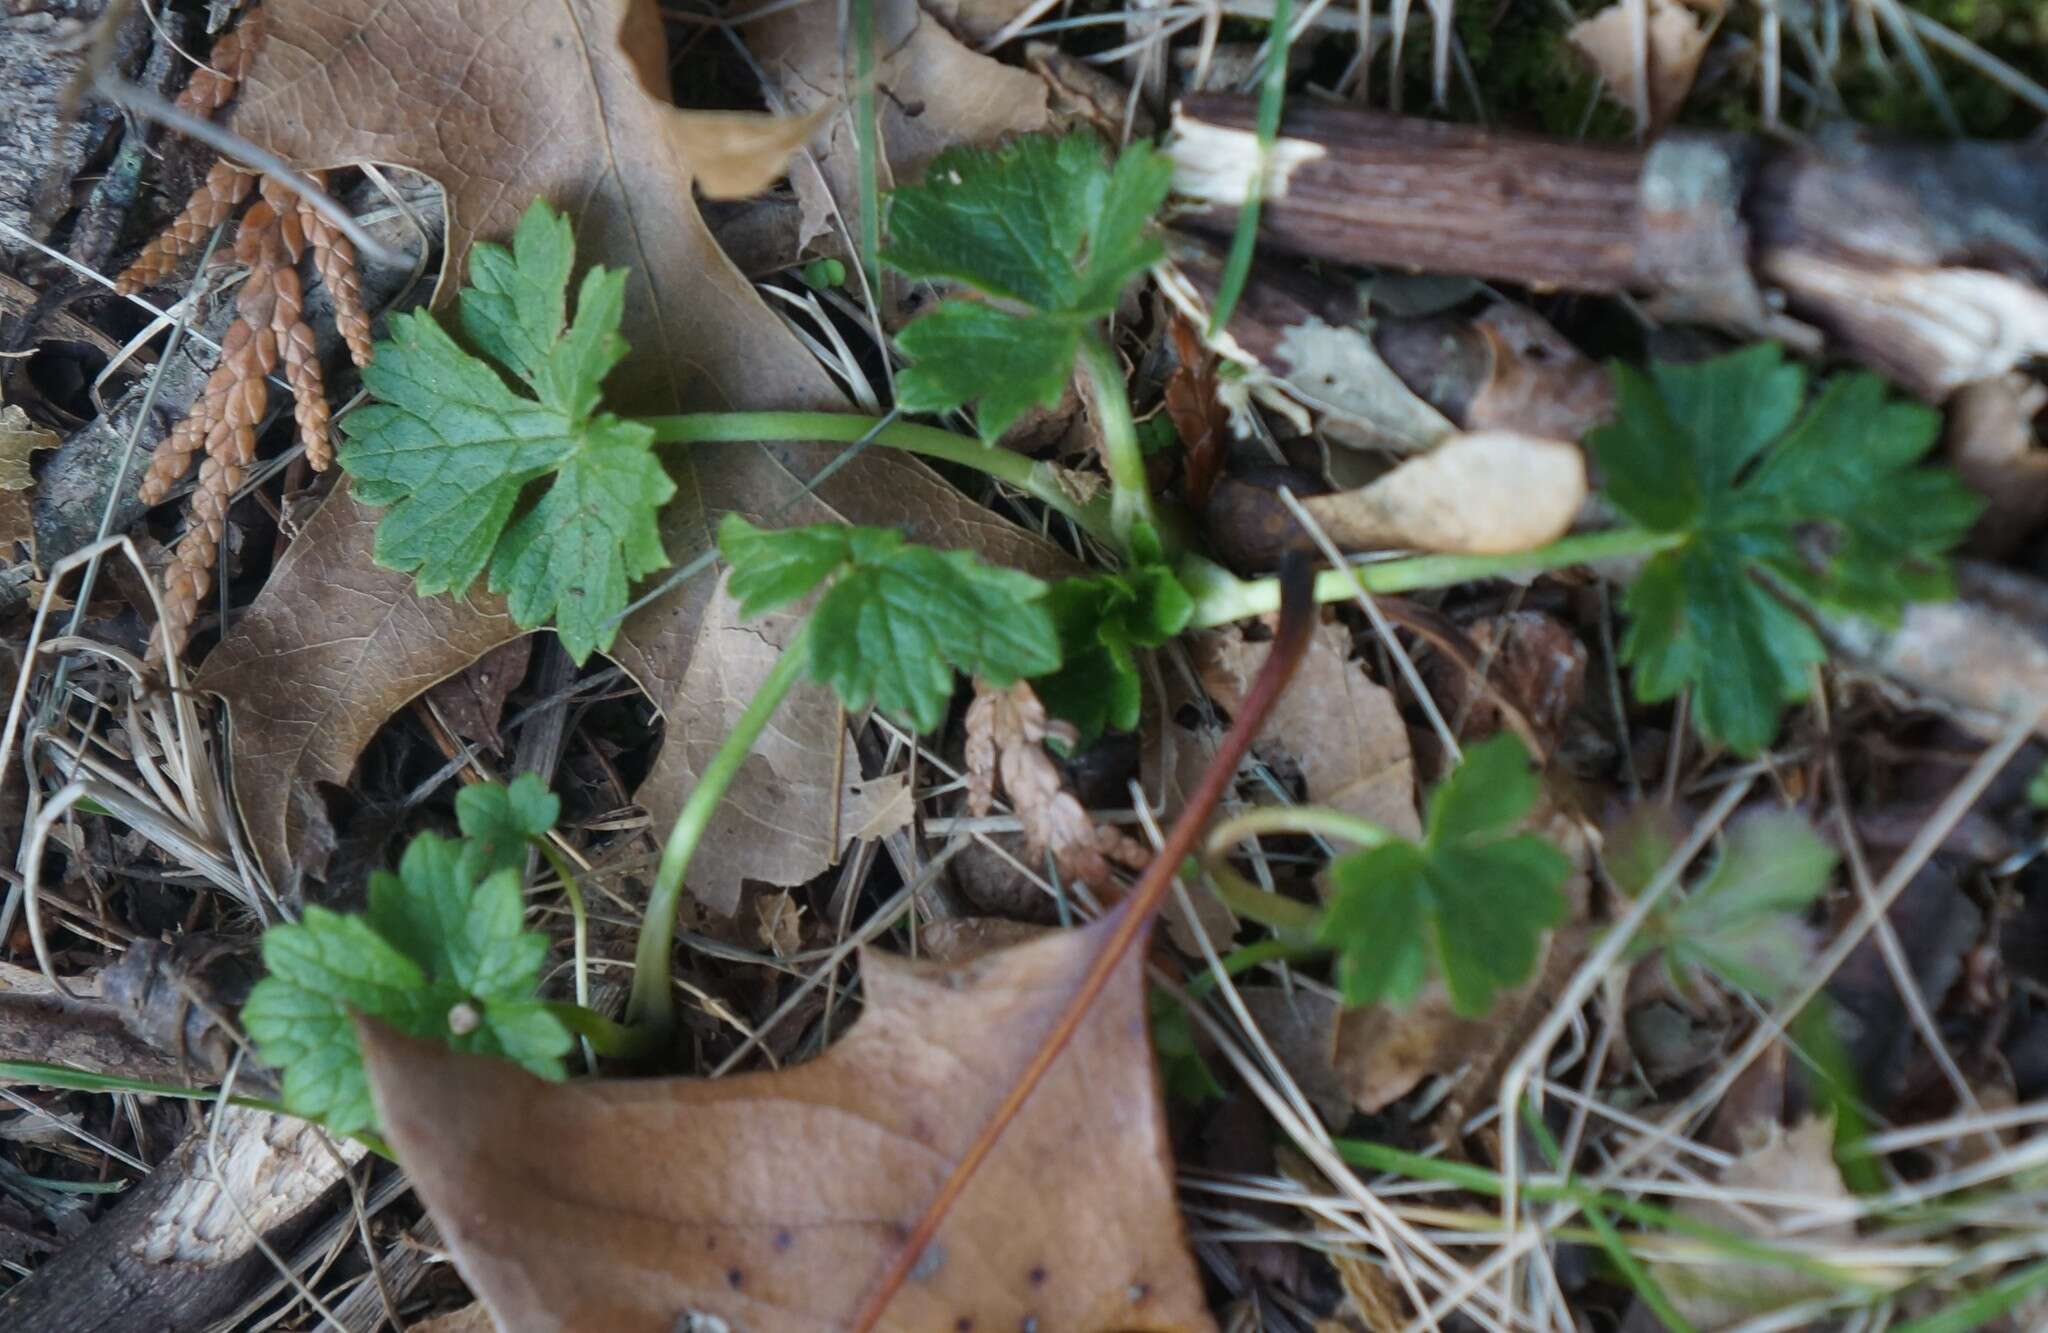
(20, 437)
(1337, 372)
(469, 1319)
(1993, 443)
(1341, 731)
(415, 83)
(932, 93)
(1006, 733)
(800, 786)
(771, 1201)
(1799, 1163)
(1478, 494)
(1676, 40)
(734, 154)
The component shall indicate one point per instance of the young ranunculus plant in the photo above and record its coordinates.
(1753, 507)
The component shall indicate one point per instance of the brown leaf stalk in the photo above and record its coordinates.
(1133, 917)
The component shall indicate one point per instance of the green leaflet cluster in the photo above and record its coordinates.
(898, 619)
(451, 449)
(441, 952)
(1104, 620)
(1051, 234)
(1825, 504)
(1470, 901)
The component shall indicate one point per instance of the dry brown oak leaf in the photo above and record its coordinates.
(771, 1201)
(550, 99)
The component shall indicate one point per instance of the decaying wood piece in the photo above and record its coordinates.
(1925, 260)
(179, 1250)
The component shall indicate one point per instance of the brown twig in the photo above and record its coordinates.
(1133, 918)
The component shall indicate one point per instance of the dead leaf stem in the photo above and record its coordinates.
(1133, 918)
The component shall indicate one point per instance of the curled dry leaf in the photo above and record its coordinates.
(800, 797)
(1992, 443)
(772, 1201)
(1341, 731)
(1199, 415)
(1006, 733)
(734, 154)
(1676, 39)
(932, 92)
(414, 82)
(1477, 494)
(1537, 383)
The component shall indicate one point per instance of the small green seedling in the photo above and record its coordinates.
(1048, 229)
(441, 952)
(1754, 510)
(1771, 505)
(1470, 901)
(1104, 621)
(1741, 923)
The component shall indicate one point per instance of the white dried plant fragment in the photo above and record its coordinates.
(1216, 165)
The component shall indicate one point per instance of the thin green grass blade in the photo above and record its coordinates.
(1272, 92)
(1981, 1308)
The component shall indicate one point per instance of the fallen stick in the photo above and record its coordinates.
(1925, 260)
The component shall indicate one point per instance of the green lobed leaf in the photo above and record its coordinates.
(1472, 899)
(450, 450)
(1103, 621)
(500, 819)
(320, 971)
(773, 567)
(1043, 223)
(899, 619)
(1742, 922)
(892, 631)
(437, 954)
(1827, 504)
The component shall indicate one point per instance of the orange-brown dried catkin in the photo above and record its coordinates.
(295, 346)
(213, 84)
(213, 203)
(237, 395)
(334, 256)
